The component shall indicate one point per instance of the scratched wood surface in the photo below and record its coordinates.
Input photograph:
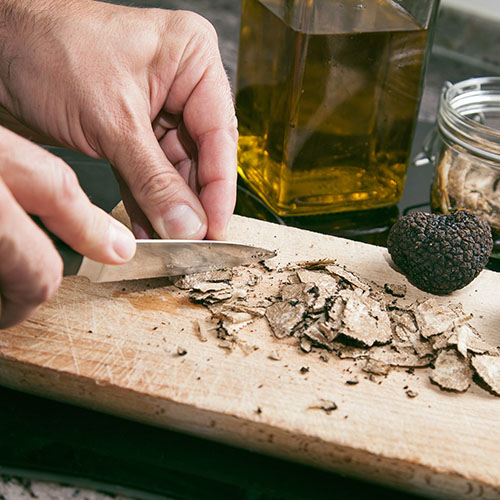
(114, 348)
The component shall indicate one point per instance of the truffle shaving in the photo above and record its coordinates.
(467, 339)
(324, 308)
(403, 357)
(434, 318)
(347, 277)
(326, 286)
(316, 335)
(283, 317)
(488, 369)
(364, 320)
(451, 371)
(210, 293)
(190, 281)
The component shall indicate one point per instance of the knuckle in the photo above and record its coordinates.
(29, 273)
(200, 26)
(38, 287)
(50, 283)
(80, 236)
(160, 188)
(49, 277)
(91, 235)
(208, 30)
(232, 121)
(67, 187)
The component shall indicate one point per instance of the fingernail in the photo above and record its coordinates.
(180, 222)
(122, 241)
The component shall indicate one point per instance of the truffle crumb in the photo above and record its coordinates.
(226, 344)
(202, 331)
(376, 367)
(327, 406)
(395, 290)
(274, 355)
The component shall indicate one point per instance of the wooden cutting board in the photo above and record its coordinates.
(114, 348)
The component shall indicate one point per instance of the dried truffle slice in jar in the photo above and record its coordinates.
(467, 183)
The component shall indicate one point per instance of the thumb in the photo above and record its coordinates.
(170, 205)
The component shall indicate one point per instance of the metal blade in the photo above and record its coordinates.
(156, 258)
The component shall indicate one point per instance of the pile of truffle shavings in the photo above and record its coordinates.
(325, 308)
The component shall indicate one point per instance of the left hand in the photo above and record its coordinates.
(33, 181)
(144, 88)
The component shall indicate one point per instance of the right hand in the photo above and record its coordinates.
(33, 181)
(145, 89)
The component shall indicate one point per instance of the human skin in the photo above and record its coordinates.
(144, 88)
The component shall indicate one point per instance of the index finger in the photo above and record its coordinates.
(209, 117)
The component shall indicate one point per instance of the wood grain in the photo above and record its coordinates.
(114, 348)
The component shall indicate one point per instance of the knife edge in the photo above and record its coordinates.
(161, 258)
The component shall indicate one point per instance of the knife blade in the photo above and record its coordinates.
(157, 258)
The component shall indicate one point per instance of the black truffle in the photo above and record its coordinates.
(440, 253)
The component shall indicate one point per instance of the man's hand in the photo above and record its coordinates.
(36, 182)
(144, 88)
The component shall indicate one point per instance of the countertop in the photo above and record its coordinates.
(51, 450)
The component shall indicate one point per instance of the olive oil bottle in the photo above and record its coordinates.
(327, 96)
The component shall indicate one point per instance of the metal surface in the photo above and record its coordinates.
(156, 258)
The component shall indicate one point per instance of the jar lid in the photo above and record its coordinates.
(469, 116)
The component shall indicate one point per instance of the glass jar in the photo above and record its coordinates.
(327, 96)
(466, 150)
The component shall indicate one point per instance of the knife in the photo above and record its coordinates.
(157, 258)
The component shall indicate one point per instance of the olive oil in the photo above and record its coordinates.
(327, 97)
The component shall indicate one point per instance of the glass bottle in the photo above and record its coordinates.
(327, 97)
